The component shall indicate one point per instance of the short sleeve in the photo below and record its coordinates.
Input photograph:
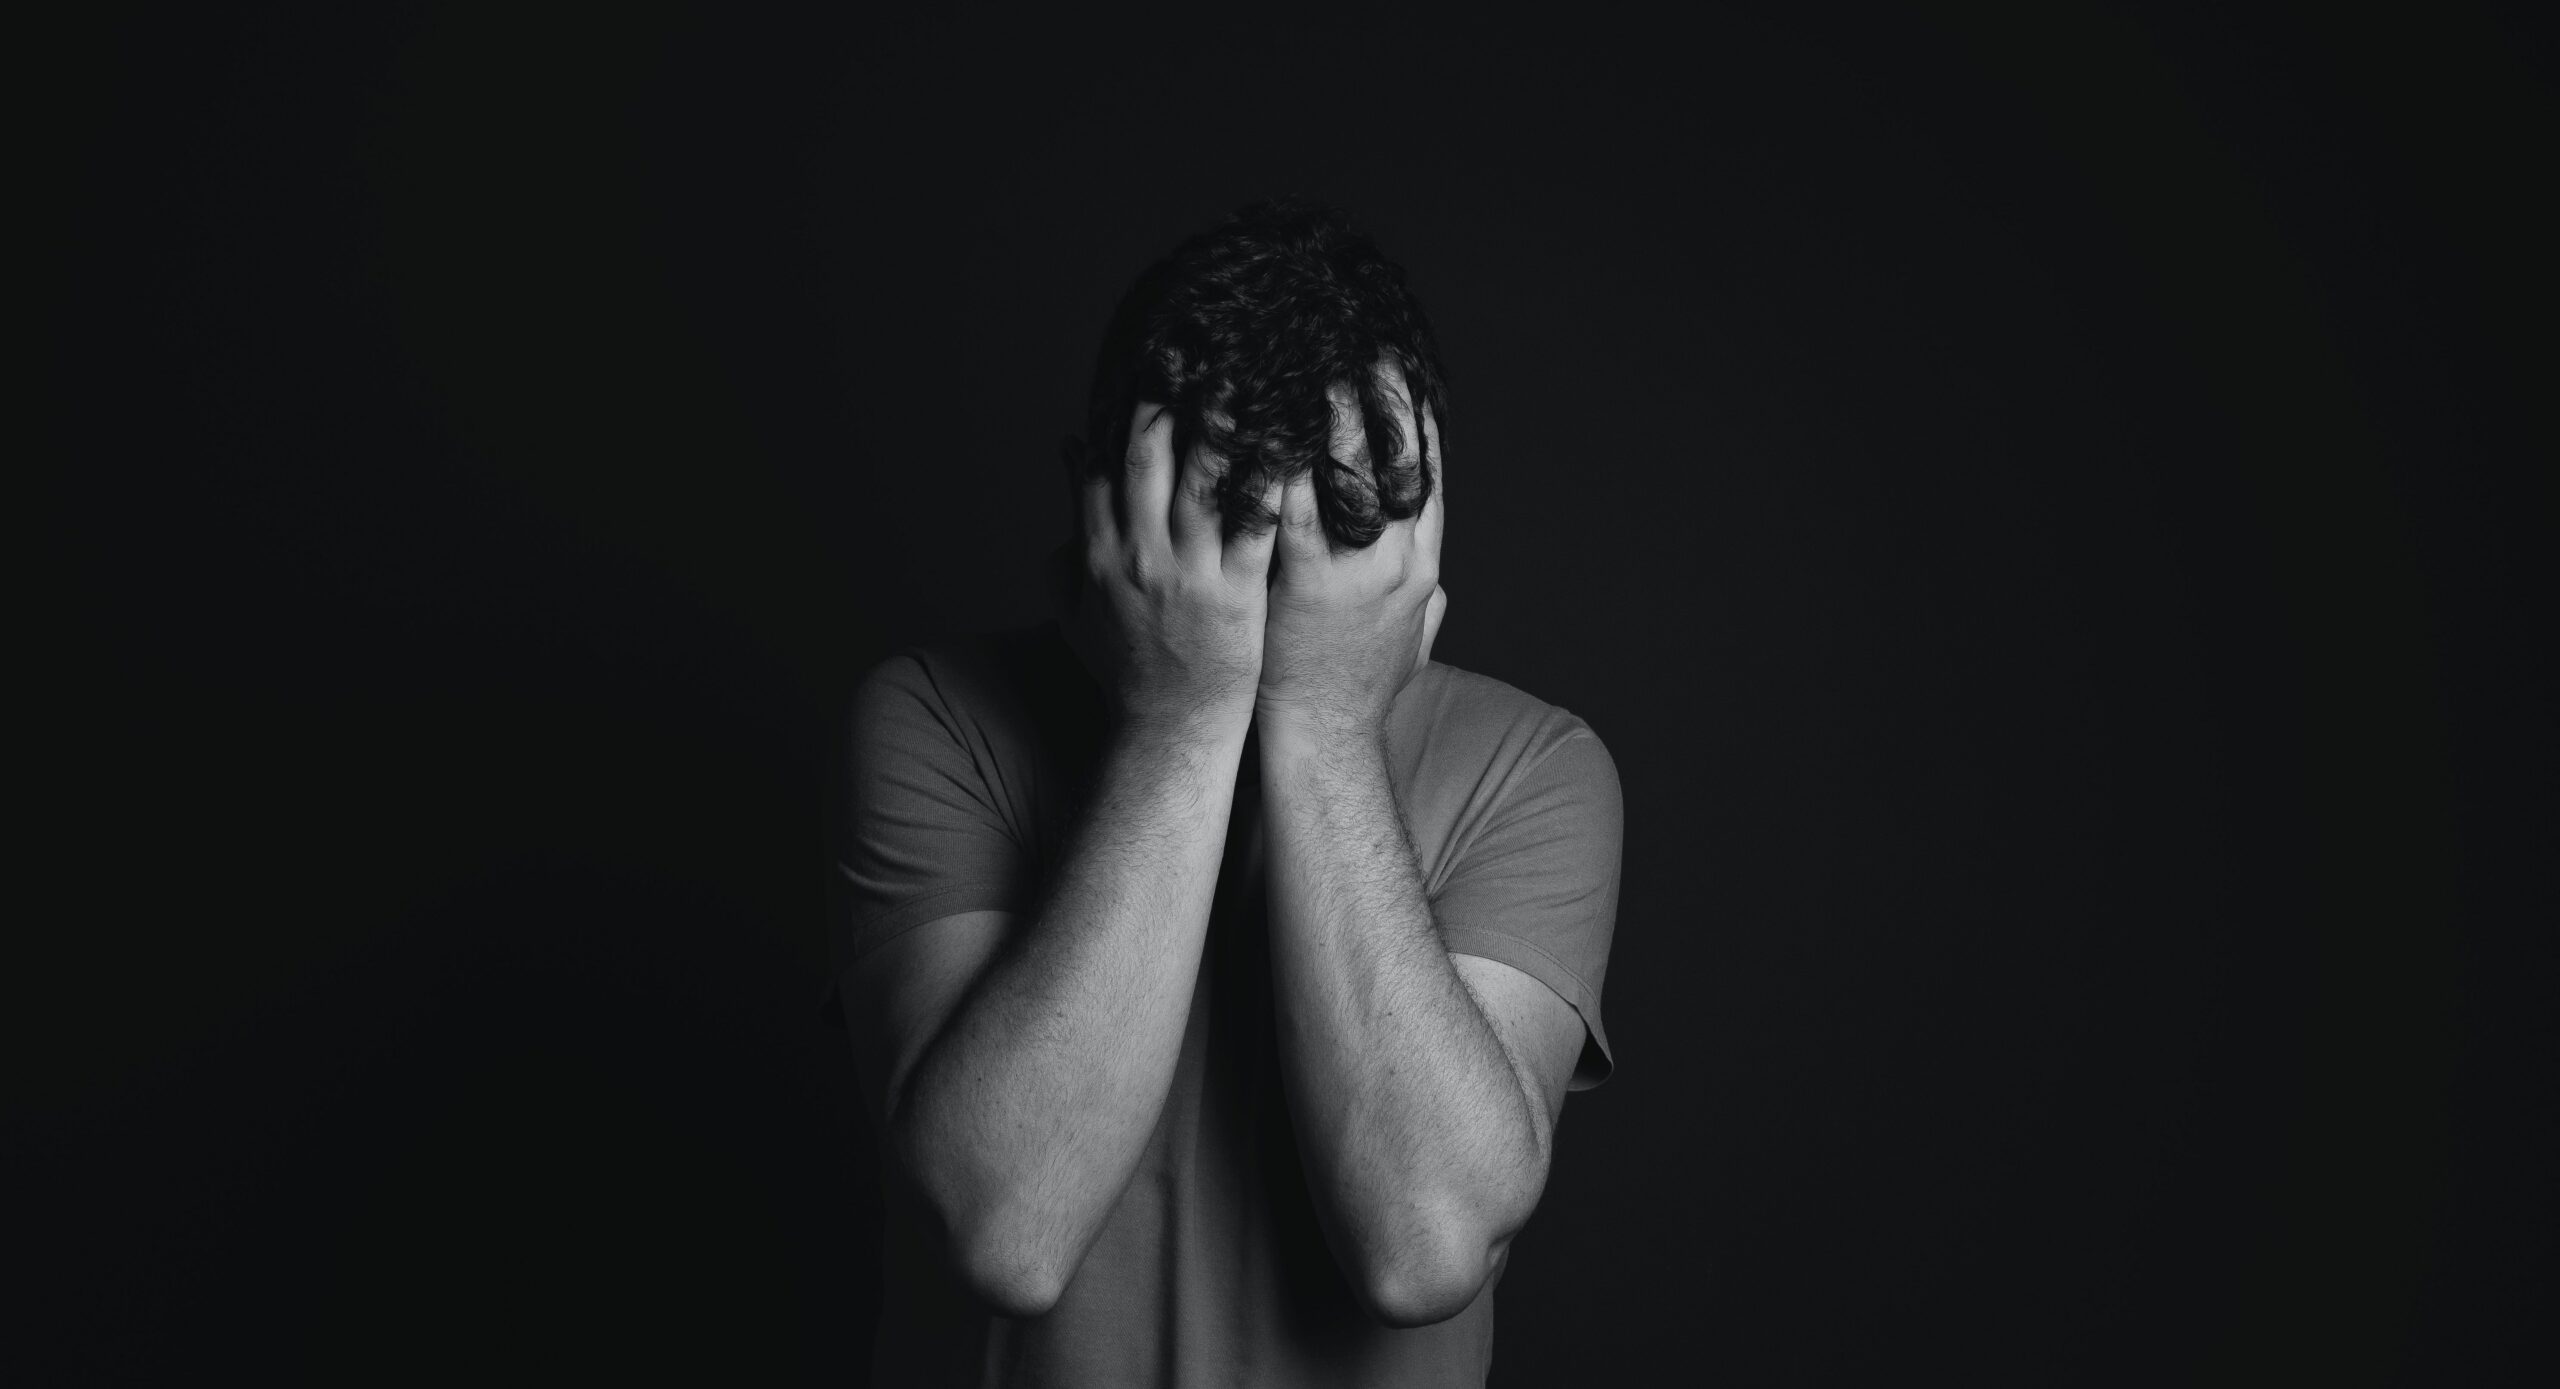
(1537, 888)
(921, 834)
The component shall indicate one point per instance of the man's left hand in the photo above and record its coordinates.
(1344, 632)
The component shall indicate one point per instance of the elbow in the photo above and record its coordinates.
(1007, 1260)
(1008, 1277)
(1406, 1300)
(1429, 1281)
(1439, 1270)
(989, 1243)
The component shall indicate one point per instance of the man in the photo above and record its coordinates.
(1216, 962)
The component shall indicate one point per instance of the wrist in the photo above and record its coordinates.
(1291, 735)
(1205, 724)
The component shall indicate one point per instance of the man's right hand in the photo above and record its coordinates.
(1171, 616)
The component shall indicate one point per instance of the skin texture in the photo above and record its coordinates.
(1425, 1106)
(1019, 1069)
(1045, 1054)
(1172, 617)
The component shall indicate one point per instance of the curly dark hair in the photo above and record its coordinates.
(1243, 332)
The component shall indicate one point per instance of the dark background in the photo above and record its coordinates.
(2038, 505)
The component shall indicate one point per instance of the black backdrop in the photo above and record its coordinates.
(2038, 505)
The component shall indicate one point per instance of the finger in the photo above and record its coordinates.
(1195, 523)
(1431, 445)
(1301, 542)
(1146, 478)
(1248, 556)
(1428, 527)
(1093, 487)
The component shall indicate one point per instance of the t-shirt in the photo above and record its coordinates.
(967, 761)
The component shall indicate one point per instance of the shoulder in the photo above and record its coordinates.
(1451, 712)
(1008, 711)
(987, 676)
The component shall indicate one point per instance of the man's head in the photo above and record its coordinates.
(1284, 345)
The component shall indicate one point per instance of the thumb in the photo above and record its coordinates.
(1431, 614)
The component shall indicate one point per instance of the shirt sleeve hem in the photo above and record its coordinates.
(905, 917)
(1597, 1062)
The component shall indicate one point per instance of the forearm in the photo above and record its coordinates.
(1422, 1146)
(1025, 1116)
